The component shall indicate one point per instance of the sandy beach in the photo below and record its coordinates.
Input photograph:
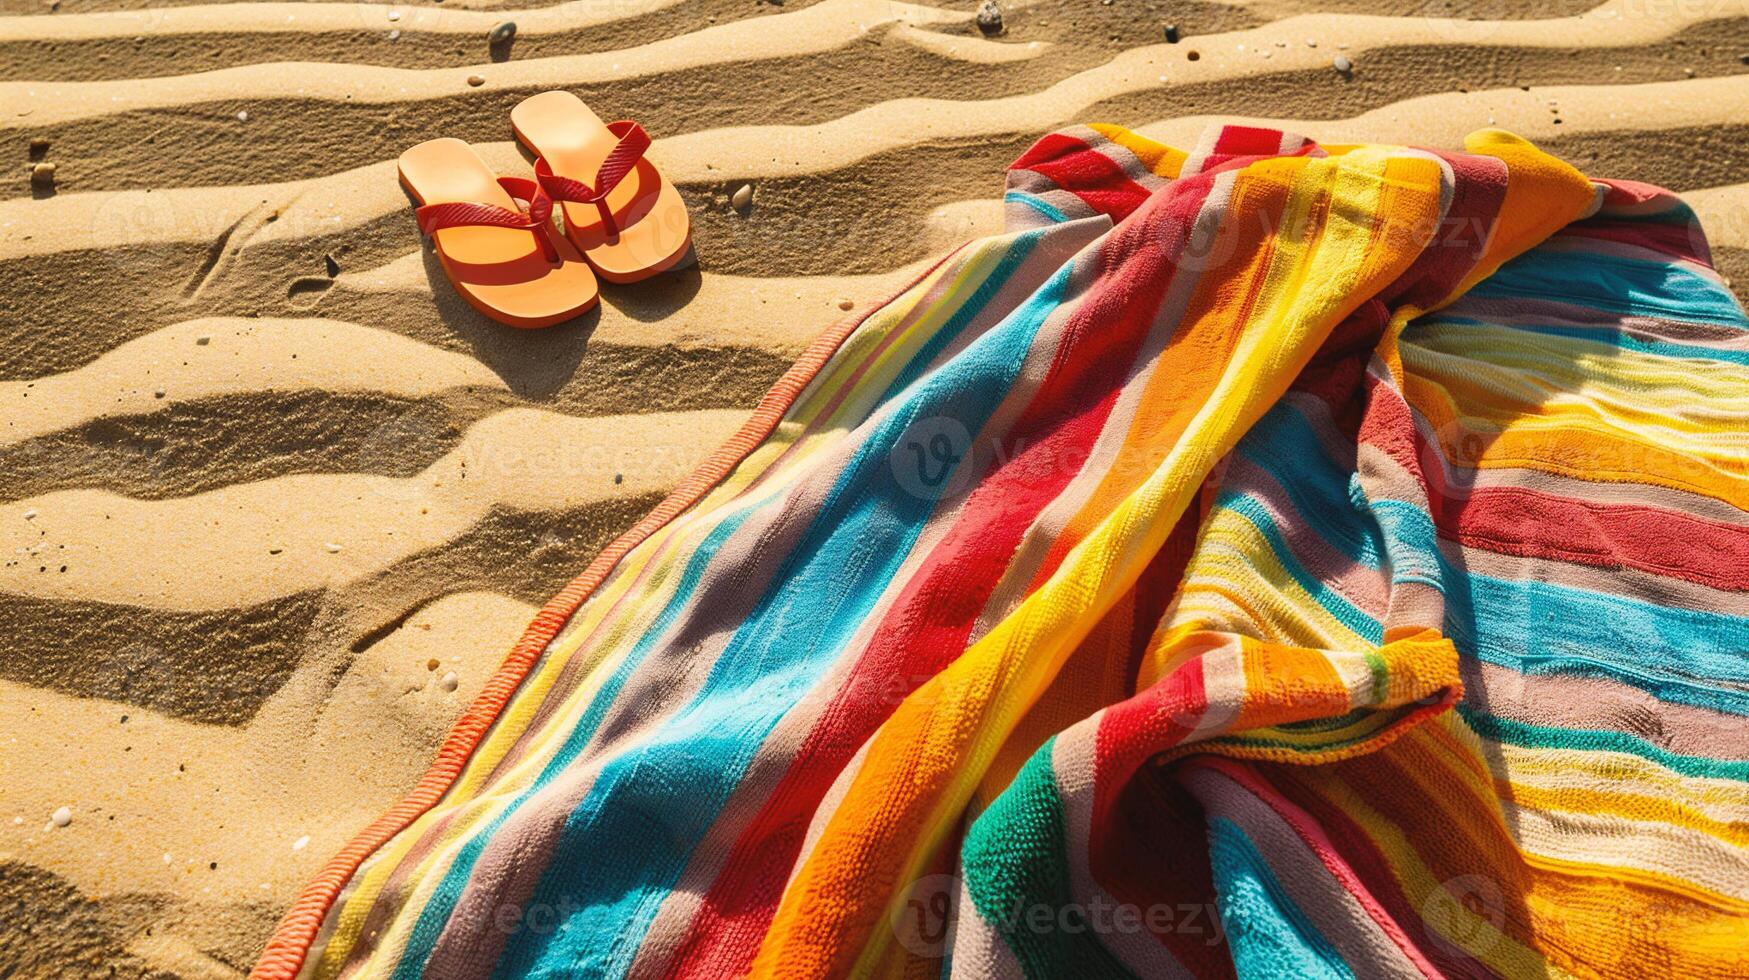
(274, 502)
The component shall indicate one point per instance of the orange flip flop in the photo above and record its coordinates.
(626, 217)
(510, 264)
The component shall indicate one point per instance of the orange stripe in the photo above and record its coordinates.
(1468, 441)
(1190, 365)
(284, 955)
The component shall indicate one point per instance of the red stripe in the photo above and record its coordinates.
(1086, 172)
(1534, 524)
(1159, 859)
(1247, 141)
(1684, 241)
(1450, 249)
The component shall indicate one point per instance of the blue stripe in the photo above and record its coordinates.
(1611, 282)
(1266, 931)
(1684, 656)
(1412, 541)
(1595, 740)
(1679, 655)
(435, 915)
(1323, 493)
(1038, 204)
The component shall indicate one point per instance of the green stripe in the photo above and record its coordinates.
(1016, 871)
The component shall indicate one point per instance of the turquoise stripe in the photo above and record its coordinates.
(1610, 282)
(1323, 494)
(1412, 541)
(1018, 248)
(436, 914)
(1685, 656)
(1267, 932)
(1038, 204)
(1679, 655)
(621, 850)
(1590, 740)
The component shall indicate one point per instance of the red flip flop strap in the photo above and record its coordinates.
(459, 214)
(624, 156)
(633, 141)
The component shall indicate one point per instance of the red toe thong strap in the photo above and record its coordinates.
(436, 217)
(633, 141)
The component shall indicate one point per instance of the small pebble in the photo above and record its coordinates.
(476, 80)
(61, 817)
(42, 174)
(39, 148)
(394, 35)
(243, 116)
(166, 857)
(1744, 58)
(502, 33)
(332, 548)
(160, 393)
(845, 304)
(742, 199)
(989, 18)
(301, 843)
(1171, 33)
(1191, 55)
(394, 15)
(618, 478)
(202, 341)
(1342, 64)
(30, 515)
(450, 681)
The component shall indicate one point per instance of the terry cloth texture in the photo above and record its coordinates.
(1268, 560)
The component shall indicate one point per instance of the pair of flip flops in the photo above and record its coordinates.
(495, 236)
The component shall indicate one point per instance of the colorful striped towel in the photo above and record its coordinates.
(1271, 559)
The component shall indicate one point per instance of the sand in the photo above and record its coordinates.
(267, 493)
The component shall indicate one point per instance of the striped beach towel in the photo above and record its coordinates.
(1268, 559)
